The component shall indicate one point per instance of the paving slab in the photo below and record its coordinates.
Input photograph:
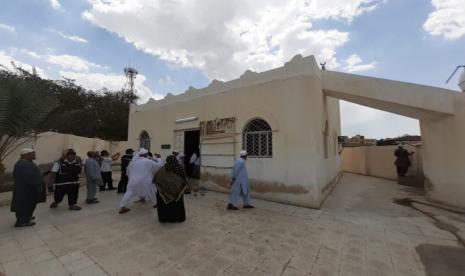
(359, 231)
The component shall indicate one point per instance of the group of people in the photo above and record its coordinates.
(143, 175)
(163, 183)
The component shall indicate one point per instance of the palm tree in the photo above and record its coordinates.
(24, 105)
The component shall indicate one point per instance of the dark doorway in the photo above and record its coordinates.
(191, 146)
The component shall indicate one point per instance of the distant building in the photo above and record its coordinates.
(359, 141)
(414, 140)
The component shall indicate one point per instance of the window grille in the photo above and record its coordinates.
(258, 139)
(144, 140)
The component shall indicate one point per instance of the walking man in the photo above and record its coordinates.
(93, 177)
(140, 172)
(240, 184)
(123, 182)
(28, 184)
(66, 178)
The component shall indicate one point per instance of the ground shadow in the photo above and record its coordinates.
(442, 260)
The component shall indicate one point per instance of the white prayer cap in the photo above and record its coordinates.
(243, 153)
(142, 151)
(175, 151)
(26, 151)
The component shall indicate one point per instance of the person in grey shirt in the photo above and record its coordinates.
(93, 176)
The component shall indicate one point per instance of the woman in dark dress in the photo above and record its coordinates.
(171, 182)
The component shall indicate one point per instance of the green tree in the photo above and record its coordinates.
(103, 114)
(24, 105)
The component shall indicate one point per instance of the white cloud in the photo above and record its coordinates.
(14, 51)
(81, 74)
(358, 114)
(55, 4)
(7, 28)
(72, 62)
(6, 59)
(355, 64)
(448, 19)
(74, 38)
(32, 54)
(166, 80)
(97, 81)
(373, 123)
(224, 38)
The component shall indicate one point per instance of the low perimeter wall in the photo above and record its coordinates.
(50, 145)
(379, 161)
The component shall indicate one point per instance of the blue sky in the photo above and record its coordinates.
(181, 43)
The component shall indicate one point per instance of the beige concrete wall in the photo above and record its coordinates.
(117, 147)
(379, 161)
(50, 145)
(354, 160)
(444, 156)
(442, 121)
(290, 100)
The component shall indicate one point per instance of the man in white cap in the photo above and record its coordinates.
(179, 156)
(140, 172)
(28, 184)
(240, 184)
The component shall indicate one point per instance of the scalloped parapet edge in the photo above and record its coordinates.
(297, 66)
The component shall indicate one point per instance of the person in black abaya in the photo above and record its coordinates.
(171, 182)
(402, 160)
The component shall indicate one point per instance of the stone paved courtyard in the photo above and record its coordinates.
(359, 231)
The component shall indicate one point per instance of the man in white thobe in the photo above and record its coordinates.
(140, 173)
(240, 186)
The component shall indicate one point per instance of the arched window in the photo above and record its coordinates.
(144, 140)
(258, 139)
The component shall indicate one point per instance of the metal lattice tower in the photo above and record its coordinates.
(131, 74)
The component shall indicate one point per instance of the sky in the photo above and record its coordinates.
(175, 44)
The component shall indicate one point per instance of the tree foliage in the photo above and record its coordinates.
(82, 112)
(103, 114)
(24, 105)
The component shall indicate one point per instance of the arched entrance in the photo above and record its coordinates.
(144, 140)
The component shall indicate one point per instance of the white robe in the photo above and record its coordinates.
(140, 172)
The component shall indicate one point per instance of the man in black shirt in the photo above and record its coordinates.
(125, 159)
(66, 178)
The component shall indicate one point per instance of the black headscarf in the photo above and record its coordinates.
(171, 188)
(172, 165)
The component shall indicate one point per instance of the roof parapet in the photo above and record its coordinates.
(297, 66)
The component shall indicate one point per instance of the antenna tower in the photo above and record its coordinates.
(131, 74)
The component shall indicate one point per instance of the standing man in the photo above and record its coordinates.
(123, 182)
(240, 184)
(194, 163)
(93, 177)
(66, 178)
(140, 172)
(179, 156)
(402, 161)
(28, 184)
(158, 159)
(107, 176)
